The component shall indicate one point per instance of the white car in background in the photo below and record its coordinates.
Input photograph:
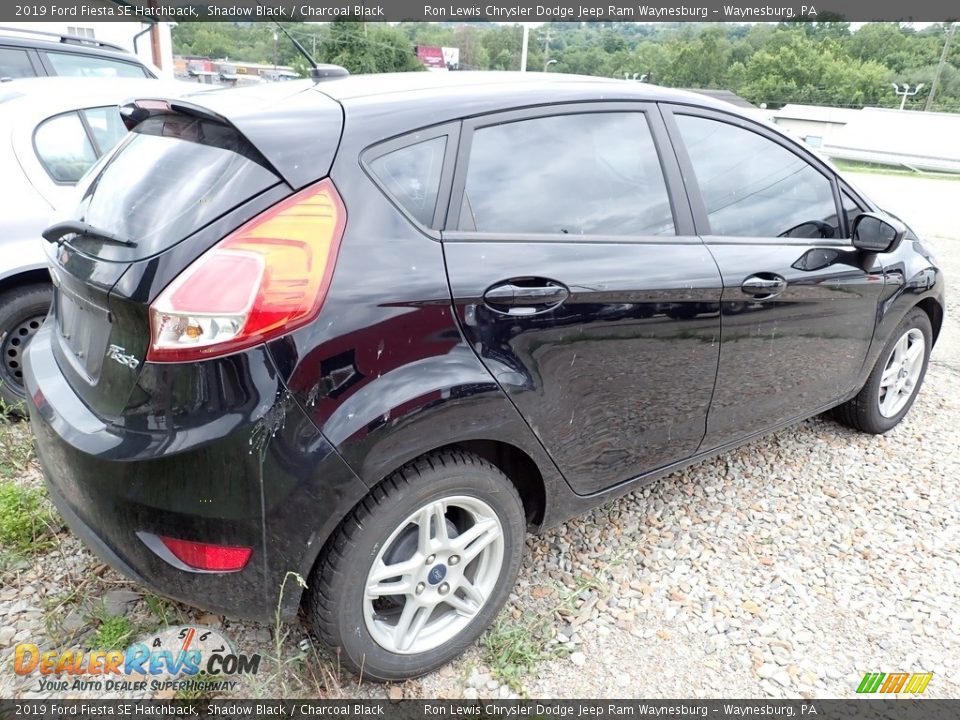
(52, 130)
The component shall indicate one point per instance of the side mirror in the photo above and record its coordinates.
(876, 233)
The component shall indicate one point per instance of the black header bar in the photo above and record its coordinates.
(468, 10)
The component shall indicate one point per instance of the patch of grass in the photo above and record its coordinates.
(512, 648)
(11, 411)
(16, 445)
(197, 691)
(164, 610)
(26, 519)
(113, 633)
(298, 671)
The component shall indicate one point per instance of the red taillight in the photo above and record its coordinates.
(263, 280)
(204, 556)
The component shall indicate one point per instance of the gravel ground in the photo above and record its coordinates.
(789, 567)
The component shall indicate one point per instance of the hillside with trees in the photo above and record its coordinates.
(810, 62)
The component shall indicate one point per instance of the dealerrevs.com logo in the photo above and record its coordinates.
(894, 683)
(165, 661)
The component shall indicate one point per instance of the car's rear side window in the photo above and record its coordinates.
(411, 175)
(79, 65)
(15, 63)
(64, 148)
(567, 175)
(106, 125)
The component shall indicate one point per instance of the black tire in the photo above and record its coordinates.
(22, 311)
(863, 411)
(336, 595)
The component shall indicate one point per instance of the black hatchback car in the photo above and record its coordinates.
(370, 330)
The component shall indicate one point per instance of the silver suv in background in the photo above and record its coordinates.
(52, 130)
(28, 53)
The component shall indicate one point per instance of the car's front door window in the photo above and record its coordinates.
(568, 176)
(753, 187)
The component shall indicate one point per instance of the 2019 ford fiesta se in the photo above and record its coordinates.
(373, 329)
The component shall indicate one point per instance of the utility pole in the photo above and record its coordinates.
(905, 93)
(547, 62)
(943, 61)
(523, 49)
(274, 52)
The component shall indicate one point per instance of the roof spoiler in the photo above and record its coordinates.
(302, 154)
(136, 111)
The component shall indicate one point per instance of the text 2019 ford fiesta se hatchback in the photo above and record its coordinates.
(372, 329)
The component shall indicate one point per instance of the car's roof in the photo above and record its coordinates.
(450, 84)
(447, 93)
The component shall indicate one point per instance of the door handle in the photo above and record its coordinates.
(528, 297)
(764, 285)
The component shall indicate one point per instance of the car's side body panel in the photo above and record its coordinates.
(290, 436)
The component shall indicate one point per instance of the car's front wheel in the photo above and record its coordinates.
(420, 568)
(893, 384)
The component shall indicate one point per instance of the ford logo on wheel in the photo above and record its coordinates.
(437, 573)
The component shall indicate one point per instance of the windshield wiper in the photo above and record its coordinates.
(55, 233)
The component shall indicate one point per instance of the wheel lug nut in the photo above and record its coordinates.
(431, 559)
(454, 559)
(420, 587)
(444, 589)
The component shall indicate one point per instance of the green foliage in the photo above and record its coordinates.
(25, 518)
(822, 62)
(113, 633)
(199, 689)
(16, 444)
(512, 649)
(794, 68)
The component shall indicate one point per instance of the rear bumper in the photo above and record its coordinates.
(267, 480)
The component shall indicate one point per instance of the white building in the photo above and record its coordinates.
(908, 138)
(814, 124)
(152, 40)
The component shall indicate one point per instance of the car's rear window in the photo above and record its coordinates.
(171, 176)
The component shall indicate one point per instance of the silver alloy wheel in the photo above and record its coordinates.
(433, 575)
(902, 372)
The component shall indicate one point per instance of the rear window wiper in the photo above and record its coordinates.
(56, 233)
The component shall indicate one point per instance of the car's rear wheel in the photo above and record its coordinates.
(419, 569)
(22, 311)
(895, 380)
